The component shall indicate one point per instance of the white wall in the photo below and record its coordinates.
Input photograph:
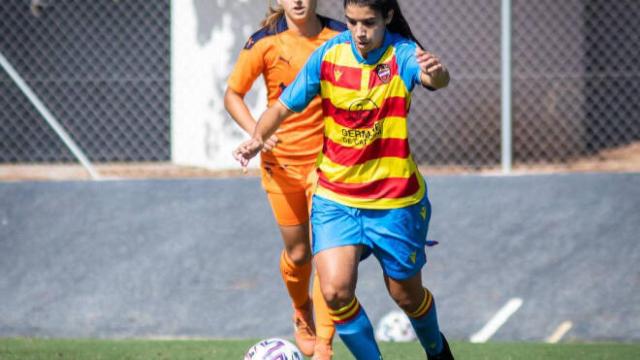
(206, 36)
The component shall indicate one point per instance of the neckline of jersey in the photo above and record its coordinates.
(282, 26)
(374, 55)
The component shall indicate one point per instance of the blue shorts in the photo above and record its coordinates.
(396, 237)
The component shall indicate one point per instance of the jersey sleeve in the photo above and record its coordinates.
(306, 85)
(248, 67)
(409, 67)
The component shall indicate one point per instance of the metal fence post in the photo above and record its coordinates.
(506, 79)
(49, 118)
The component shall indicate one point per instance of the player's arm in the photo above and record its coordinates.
(264, 129)
(294, 98)
(236, 107)
(433, 74)
(249, 65)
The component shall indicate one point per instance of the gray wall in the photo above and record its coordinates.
(199, 258)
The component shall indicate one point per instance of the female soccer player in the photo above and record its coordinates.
(370, 196)
(290, 33)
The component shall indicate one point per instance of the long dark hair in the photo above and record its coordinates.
(398, 24)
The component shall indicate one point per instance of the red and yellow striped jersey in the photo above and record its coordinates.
(278, 55)
(366, 161)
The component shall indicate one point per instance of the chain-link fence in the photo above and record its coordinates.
(102, 67)
(576, 79)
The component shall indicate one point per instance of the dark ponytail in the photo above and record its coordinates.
(398, 24)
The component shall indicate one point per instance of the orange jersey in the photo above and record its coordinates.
(279, 55)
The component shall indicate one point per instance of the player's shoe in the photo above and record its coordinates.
(322, 350)
(304, 328)
(445, 354)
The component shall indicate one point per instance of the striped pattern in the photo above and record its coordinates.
(346, 313)
(365, 98)
(365, 113)
(343, 76)
(366, 158)
(396, 128)
(384, 188)
(424, 307)
(374, 170)
(381, 147)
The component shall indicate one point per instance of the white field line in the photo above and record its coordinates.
(562, 329)
(496, 321)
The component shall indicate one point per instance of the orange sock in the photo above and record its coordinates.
(296, 279)
(324, 325)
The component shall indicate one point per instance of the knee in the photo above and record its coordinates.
(299, 254)
(408, 306)
(336, 296)
(406, 301)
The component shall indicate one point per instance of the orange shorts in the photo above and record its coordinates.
(289, 189)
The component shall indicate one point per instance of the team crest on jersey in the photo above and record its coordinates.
(384, 73)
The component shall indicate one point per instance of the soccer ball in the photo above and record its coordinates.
(273, 349)
(396, 327)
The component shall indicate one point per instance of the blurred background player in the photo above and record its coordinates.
(370, 197)
(291, 32)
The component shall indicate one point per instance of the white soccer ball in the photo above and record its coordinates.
(396, 327)
(273, 349)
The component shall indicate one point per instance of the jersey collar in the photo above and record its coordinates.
(282, 26)
(374, 55)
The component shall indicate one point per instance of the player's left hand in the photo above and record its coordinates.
(429, 63)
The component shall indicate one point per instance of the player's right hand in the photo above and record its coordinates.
(247, 150)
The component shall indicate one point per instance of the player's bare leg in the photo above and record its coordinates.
(295, 267)
(418, 303)
(338, 272)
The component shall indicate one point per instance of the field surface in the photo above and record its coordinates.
(31, 349)
(197, 258)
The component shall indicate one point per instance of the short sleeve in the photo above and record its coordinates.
(306, 85)
(408, 63)
(247, 69)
